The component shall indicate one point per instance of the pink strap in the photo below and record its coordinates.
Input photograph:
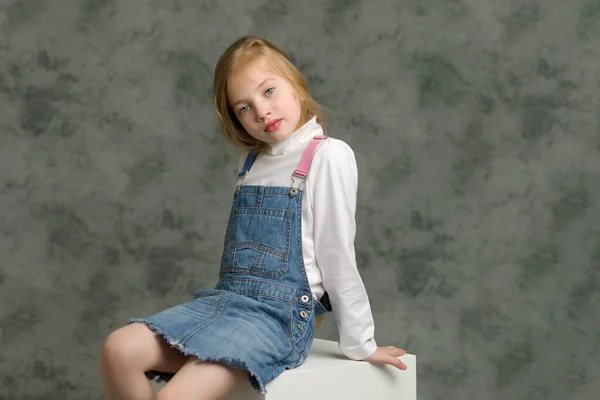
(307, 157)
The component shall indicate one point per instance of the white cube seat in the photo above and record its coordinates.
(328, 374)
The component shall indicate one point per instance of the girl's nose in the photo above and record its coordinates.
(262, 111)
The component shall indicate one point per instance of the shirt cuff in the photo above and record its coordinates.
(360, 352)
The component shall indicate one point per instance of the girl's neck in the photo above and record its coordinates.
(307, 130)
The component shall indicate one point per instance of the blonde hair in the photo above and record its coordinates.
(240, 55)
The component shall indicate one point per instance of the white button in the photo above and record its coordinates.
(300, 326)
(303, 314)
(304, 299)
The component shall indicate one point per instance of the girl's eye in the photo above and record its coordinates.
(243, 109)
(270, 90)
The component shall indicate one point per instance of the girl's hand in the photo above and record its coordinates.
(387, 355)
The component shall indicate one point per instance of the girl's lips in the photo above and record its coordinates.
(273, 125)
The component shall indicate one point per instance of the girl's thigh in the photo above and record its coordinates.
(137, 346)
(205, 380)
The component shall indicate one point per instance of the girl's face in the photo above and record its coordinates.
(264, 103)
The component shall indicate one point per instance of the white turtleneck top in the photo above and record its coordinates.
(328, 227)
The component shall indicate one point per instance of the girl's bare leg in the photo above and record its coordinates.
(203, 381)
(127, 353)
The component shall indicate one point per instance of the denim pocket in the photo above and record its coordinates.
(257, 242)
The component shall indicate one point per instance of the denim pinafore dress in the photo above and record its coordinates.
(260, 316)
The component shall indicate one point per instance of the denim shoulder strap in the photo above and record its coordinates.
(248, 164)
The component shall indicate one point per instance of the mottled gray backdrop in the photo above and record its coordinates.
(475, 124)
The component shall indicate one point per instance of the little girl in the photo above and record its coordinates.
(288, 254)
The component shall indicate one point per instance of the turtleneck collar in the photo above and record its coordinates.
(301, 135)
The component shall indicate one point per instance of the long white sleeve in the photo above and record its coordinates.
(332, 186)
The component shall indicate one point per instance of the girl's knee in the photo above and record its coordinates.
(121, 345)
(114, 349)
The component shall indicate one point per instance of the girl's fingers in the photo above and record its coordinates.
(398, 352)
(397, 363)
(395, 351)
(388, 355)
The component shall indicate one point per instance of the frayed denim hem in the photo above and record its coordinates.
(255, 380)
